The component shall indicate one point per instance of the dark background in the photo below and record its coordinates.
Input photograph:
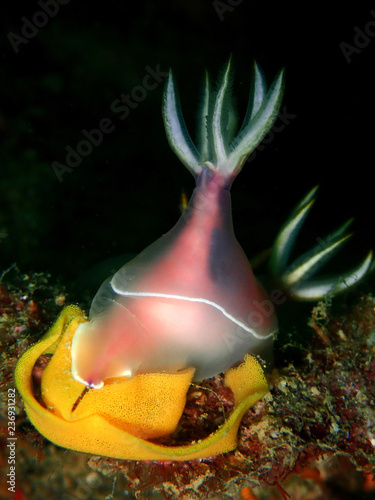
(126, 193)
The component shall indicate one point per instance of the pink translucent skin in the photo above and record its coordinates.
(189, 299)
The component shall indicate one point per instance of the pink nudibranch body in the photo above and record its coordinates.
(186, 307)
(189, 299)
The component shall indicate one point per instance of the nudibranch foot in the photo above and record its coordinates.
(119, 419)
(295, 277)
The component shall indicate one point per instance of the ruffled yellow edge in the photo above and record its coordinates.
(97, 435)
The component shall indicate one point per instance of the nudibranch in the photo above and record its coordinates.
(186, 308)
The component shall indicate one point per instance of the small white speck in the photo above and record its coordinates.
(342, 335)
(334, 428)
(315, 391)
